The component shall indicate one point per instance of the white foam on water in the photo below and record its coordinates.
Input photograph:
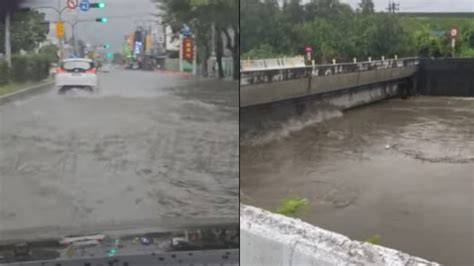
(202, 105)
(291, 126)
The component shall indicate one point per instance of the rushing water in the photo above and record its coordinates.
(402, 169)
(148, 148)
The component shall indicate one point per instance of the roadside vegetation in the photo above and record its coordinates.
(201, 16)
(336, 31)
(31, 56)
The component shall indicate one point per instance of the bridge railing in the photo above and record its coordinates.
(261, 72)
(274, 63)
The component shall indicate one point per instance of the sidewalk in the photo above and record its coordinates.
(13, 91)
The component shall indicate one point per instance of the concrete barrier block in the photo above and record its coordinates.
(272, 239)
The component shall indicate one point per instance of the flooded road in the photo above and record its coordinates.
(149, 148)
(401, 169)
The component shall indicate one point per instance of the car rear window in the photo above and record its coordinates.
(77, 65)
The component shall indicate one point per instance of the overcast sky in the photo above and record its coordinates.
(124, 15)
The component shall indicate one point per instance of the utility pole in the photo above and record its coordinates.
(8, 48)
(393, 7)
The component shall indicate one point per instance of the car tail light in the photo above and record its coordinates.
(60, 70)
(92, 70)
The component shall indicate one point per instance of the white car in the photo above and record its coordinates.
(77, 73)
(106, 68)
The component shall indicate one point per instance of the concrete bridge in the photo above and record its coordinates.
(362, 82)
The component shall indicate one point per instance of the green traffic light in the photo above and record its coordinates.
(101, 5)
(102, 20)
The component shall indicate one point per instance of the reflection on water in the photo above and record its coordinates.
(402, 169)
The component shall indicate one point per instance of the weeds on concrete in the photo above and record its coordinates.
(293, 207)
(374, 239)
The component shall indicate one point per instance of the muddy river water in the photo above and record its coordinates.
(401, 169)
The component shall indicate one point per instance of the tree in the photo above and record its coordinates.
(201, 15)
(427, 44)
(7, 7)
(28, 29)
(50, 51)
(366, 7)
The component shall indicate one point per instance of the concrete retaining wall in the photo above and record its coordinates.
(285, 88)
(271, 239)
(447, 77)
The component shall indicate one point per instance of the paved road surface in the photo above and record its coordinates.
(148, 148)
(402, 169)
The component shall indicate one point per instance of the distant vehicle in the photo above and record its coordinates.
(78, 73)
(106, 68)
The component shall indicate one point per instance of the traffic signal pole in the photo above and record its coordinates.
(59, 11)
(194, 57)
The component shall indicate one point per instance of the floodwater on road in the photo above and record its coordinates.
(401, 169)
(148, 148)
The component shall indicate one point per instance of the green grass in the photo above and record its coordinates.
(293, 207)
(16, 86)
(375, 239)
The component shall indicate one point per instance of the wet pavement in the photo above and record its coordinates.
(147, 148)
(401, 169)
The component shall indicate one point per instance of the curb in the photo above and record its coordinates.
(177, 73)
(35, 89)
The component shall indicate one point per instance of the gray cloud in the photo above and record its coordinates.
(124, 16)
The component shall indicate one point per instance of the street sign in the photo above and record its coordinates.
(72, 4)
(186, 31)
(453, 33)
(84, 5)
(188, 48)
(308, 49)
(60, 30)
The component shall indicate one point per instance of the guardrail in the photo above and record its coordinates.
(282, 73)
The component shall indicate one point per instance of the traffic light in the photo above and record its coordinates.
(106, 46)
(60, 30)
(101, 20)
(97, 5)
